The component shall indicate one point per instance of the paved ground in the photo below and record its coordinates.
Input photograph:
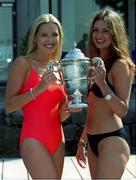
(14, 169)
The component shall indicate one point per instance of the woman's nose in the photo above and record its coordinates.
(99, 34)
(49, 39)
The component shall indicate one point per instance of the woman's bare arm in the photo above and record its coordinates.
(122, 85)
(16, 77)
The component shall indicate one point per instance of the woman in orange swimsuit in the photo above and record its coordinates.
(108, 98)
(32, 87)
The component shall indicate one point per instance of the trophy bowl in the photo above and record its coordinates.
(75, 68)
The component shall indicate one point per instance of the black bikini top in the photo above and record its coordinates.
(97, 91)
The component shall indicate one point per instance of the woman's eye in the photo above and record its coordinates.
(105, 31)
(55, 34)
(95, 30)
(44, 35)
(48, 35)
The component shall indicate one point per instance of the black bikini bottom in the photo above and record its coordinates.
(94, 140)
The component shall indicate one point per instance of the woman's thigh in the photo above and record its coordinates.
(38, 160)
(58, 157)
(92, 161)
(112, 159)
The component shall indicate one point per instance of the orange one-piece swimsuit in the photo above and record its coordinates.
(41, 119)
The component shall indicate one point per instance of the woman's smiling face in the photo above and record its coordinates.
(47, 38)
(101, 36)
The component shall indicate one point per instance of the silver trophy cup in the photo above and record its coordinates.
(75, 68)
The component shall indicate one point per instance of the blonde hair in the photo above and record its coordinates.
(45, 18)
(116, 27)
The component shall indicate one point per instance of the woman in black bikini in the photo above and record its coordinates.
(108, 99)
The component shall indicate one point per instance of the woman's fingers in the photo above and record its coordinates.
(68, 109)
(48, 77)
(80, 156)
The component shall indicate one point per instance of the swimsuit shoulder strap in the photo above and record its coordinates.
(109, 84)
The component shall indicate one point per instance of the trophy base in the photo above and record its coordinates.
(78, 105)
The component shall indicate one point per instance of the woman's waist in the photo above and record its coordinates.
(41, 127)
(41, 119)
(102, 130)
(40, 111)
(101, 111)
(103, 124)
(117, 132)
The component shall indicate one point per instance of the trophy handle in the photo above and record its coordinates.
(55, 67)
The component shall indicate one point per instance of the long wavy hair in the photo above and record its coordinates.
(120, 45)
(45, 18)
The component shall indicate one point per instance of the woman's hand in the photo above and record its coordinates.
(66, 107)
(66, 111)
(98, 74)
(47, 78)
(81, 156)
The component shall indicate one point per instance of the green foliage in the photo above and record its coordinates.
(24, 43)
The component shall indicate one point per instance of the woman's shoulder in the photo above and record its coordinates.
(120, 66)
(120, 63)
(21, 62)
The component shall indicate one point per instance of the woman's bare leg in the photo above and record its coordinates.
(59, 159)
(113, 156)
(92, 161)
(38, 160)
